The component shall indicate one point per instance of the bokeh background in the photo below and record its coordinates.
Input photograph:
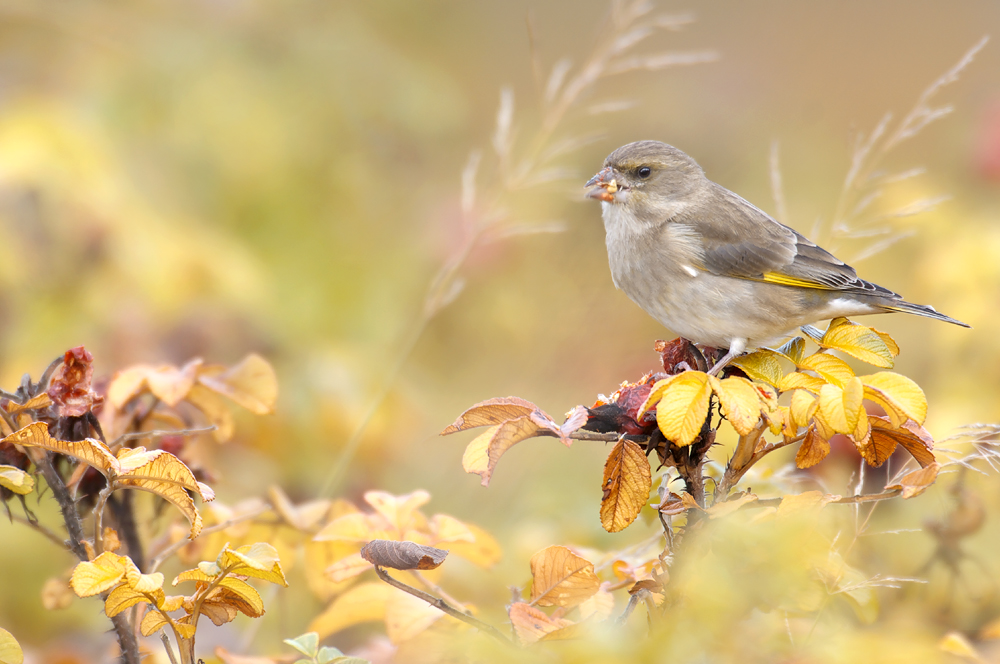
(208, 178)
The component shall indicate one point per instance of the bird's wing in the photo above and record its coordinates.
(745, 242)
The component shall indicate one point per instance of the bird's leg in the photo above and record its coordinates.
(736, 348)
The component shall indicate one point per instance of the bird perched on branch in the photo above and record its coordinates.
(712, 267)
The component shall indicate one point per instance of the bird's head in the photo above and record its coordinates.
(646, 176)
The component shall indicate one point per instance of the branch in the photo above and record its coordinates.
(843, 500)
(441, 605)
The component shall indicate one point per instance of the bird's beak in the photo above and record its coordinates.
(603, 185)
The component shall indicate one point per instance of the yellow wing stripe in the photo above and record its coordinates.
(785, 280)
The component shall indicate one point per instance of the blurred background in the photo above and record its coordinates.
(209, 178)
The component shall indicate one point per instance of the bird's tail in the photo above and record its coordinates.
(922, 310)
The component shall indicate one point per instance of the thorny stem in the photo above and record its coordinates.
(734, 472)
(441, 605)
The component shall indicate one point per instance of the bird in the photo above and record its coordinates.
(712, 267)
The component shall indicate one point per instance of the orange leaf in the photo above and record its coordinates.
(561, 578)
(491, 411)
(813, 449)
(916, 482)
(531, 624)
(627, 480)
(913, 437)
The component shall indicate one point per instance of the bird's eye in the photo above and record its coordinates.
(645, 172)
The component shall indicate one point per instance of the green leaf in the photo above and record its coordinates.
(305, 644)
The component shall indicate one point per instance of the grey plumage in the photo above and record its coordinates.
(711, 266)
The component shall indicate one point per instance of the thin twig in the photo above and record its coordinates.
(159, 433)
(180, 544)
(42, 529)
(441, 605)
(166, 646)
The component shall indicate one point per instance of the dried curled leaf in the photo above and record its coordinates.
(916, 482)
(681, 405)
(858, 341)
(165, 475)
(490, 412)
(90, 451)
(402, 555)
(561, 578)
(627, 480)
(913, 437)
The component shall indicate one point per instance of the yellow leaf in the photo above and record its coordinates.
(406, 616)
(598, 606)
(102, 573)
(168, 383)
(362, 603)
(446, 528)
(15, 479)
(842, 408)
(561, 578)
(955, 643)
(152, 622)
(483, 551)
(215, 410)
(356, 527)
(899, 392)
(655, 394)
(627, 481)
(831, 369)
(857, 341)
(251, 383)
(90, 451)
(491, 412)
(792, 349)
(10, 649)
(122, 598)
(802, 408)
(171, 603)
(740, 402)
(348, 568)
(802, 502)
(259, 561)
(890, 343)
(681, 411)
(318, 558)
(796, 380)
(56, 594)
(483, 453)
(531, 624)
(126, 385)
(813, 449)
(397, 510)
(727, 507)
(761, 365)
(916, 482)
(240, 595)
(37, 402)
(165, 475)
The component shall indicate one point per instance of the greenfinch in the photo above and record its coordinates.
(712, 267)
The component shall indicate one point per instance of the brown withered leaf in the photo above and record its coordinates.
(875, 450)
(649, 585)
(812, 450)
(90, 451)
(491, 412)
(402, 555)
(916, 482)
(251, 383)
(71, 385)
(483, 453)
(911, 436)
(561, 578)
(531, 624)
(627, 480)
